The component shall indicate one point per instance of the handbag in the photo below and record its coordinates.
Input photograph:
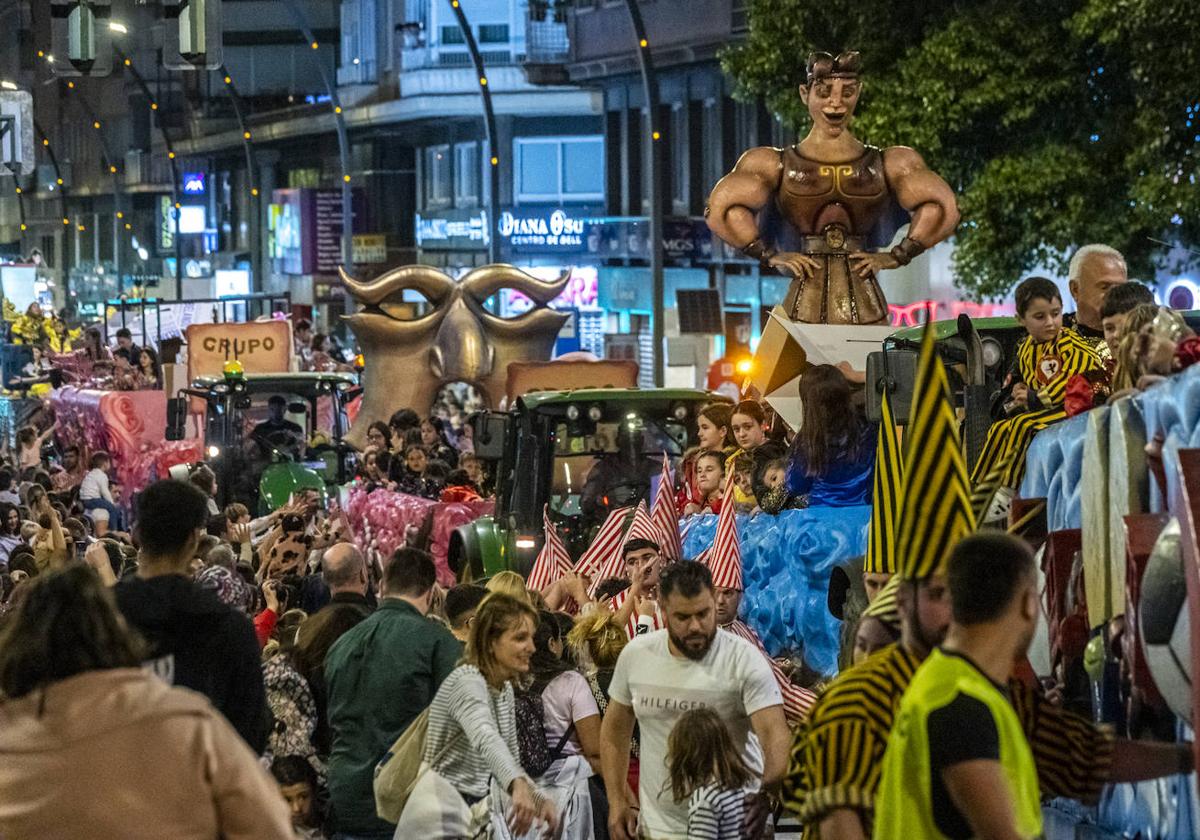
(401, 767)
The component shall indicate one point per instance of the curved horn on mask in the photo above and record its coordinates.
(486, 280)
(433, 284)
(533, 322)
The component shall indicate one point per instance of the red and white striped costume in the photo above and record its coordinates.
(617, 601)
(796, 700)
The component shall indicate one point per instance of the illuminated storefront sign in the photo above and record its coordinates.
(559, 232)
(306, 230)
(193, 183)
(453, 230)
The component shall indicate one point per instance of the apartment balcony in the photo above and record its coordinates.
(547, 48)
(428, 58)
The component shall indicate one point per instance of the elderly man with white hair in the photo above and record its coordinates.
(1093, 271)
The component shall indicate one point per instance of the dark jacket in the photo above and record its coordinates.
(199, 643)
(380, 675)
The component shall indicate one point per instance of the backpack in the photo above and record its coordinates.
(536, 755)
(398, 772)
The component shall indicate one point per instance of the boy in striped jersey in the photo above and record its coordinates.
(1035, 389)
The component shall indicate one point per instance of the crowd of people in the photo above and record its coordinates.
(287, 685)
(81, 355)
(423, 458)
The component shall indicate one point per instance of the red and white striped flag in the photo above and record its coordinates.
(606, 543)
(725, 556)
(552, 561)
(614, 561)
(642, 527)
(797, 701)
(666, 523)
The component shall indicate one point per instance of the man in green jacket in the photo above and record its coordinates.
(381, 675)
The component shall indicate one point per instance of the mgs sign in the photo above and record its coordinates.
(557, 229)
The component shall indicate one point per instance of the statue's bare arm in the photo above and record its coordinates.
(923, 193)
(739, 196)
(737, 199)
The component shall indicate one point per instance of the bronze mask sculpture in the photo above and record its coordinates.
(409, 359)
(832, 190)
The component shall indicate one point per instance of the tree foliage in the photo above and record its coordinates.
(1057, 122)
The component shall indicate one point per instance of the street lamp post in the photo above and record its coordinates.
(342, 136)
(489, 127)
(656, 145)
(175, 203)
(251, 171)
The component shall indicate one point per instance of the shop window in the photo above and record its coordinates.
(559, 169)
(466, 175)
(437, 176)
(493, 33)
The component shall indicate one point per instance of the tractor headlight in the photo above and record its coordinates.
(993, 353)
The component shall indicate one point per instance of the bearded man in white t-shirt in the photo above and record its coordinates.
(663, 674)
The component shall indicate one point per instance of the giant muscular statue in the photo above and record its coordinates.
(409, 359)
(832, 189)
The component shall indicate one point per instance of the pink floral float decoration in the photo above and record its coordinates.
(384, 520)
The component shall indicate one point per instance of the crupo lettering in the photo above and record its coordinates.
(237, 347)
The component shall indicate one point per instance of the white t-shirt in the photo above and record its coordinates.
(733, 679)
(566, 699)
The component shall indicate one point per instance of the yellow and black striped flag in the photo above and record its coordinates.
(935, 507)
(885, 497)
(885, 607)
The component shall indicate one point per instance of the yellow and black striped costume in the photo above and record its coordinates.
(1011, 437)
(837, 756)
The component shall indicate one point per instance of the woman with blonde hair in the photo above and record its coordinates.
(508, 583)
(474, 774)
(1127, 353)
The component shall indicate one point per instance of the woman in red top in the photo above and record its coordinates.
(710, 475)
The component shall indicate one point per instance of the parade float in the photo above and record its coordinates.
(1112, 497)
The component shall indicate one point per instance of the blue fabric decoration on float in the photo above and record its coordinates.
(786, 561)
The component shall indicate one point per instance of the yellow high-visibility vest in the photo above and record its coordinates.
(904, 806)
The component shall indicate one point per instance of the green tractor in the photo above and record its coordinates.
(263, 437)
(583, 453)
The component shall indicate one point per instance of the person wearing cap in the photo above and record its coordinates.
(834, 774)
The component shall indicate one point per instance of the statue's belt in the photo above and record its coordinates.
(833, 241)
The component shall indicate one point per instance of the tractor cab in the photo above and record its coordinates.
(582, 453)
(269, 435)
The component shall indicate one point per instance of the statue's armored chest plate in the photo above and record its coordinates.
(813, 195)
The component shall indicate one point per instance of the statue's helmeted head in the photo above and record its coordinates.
(832, 90)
